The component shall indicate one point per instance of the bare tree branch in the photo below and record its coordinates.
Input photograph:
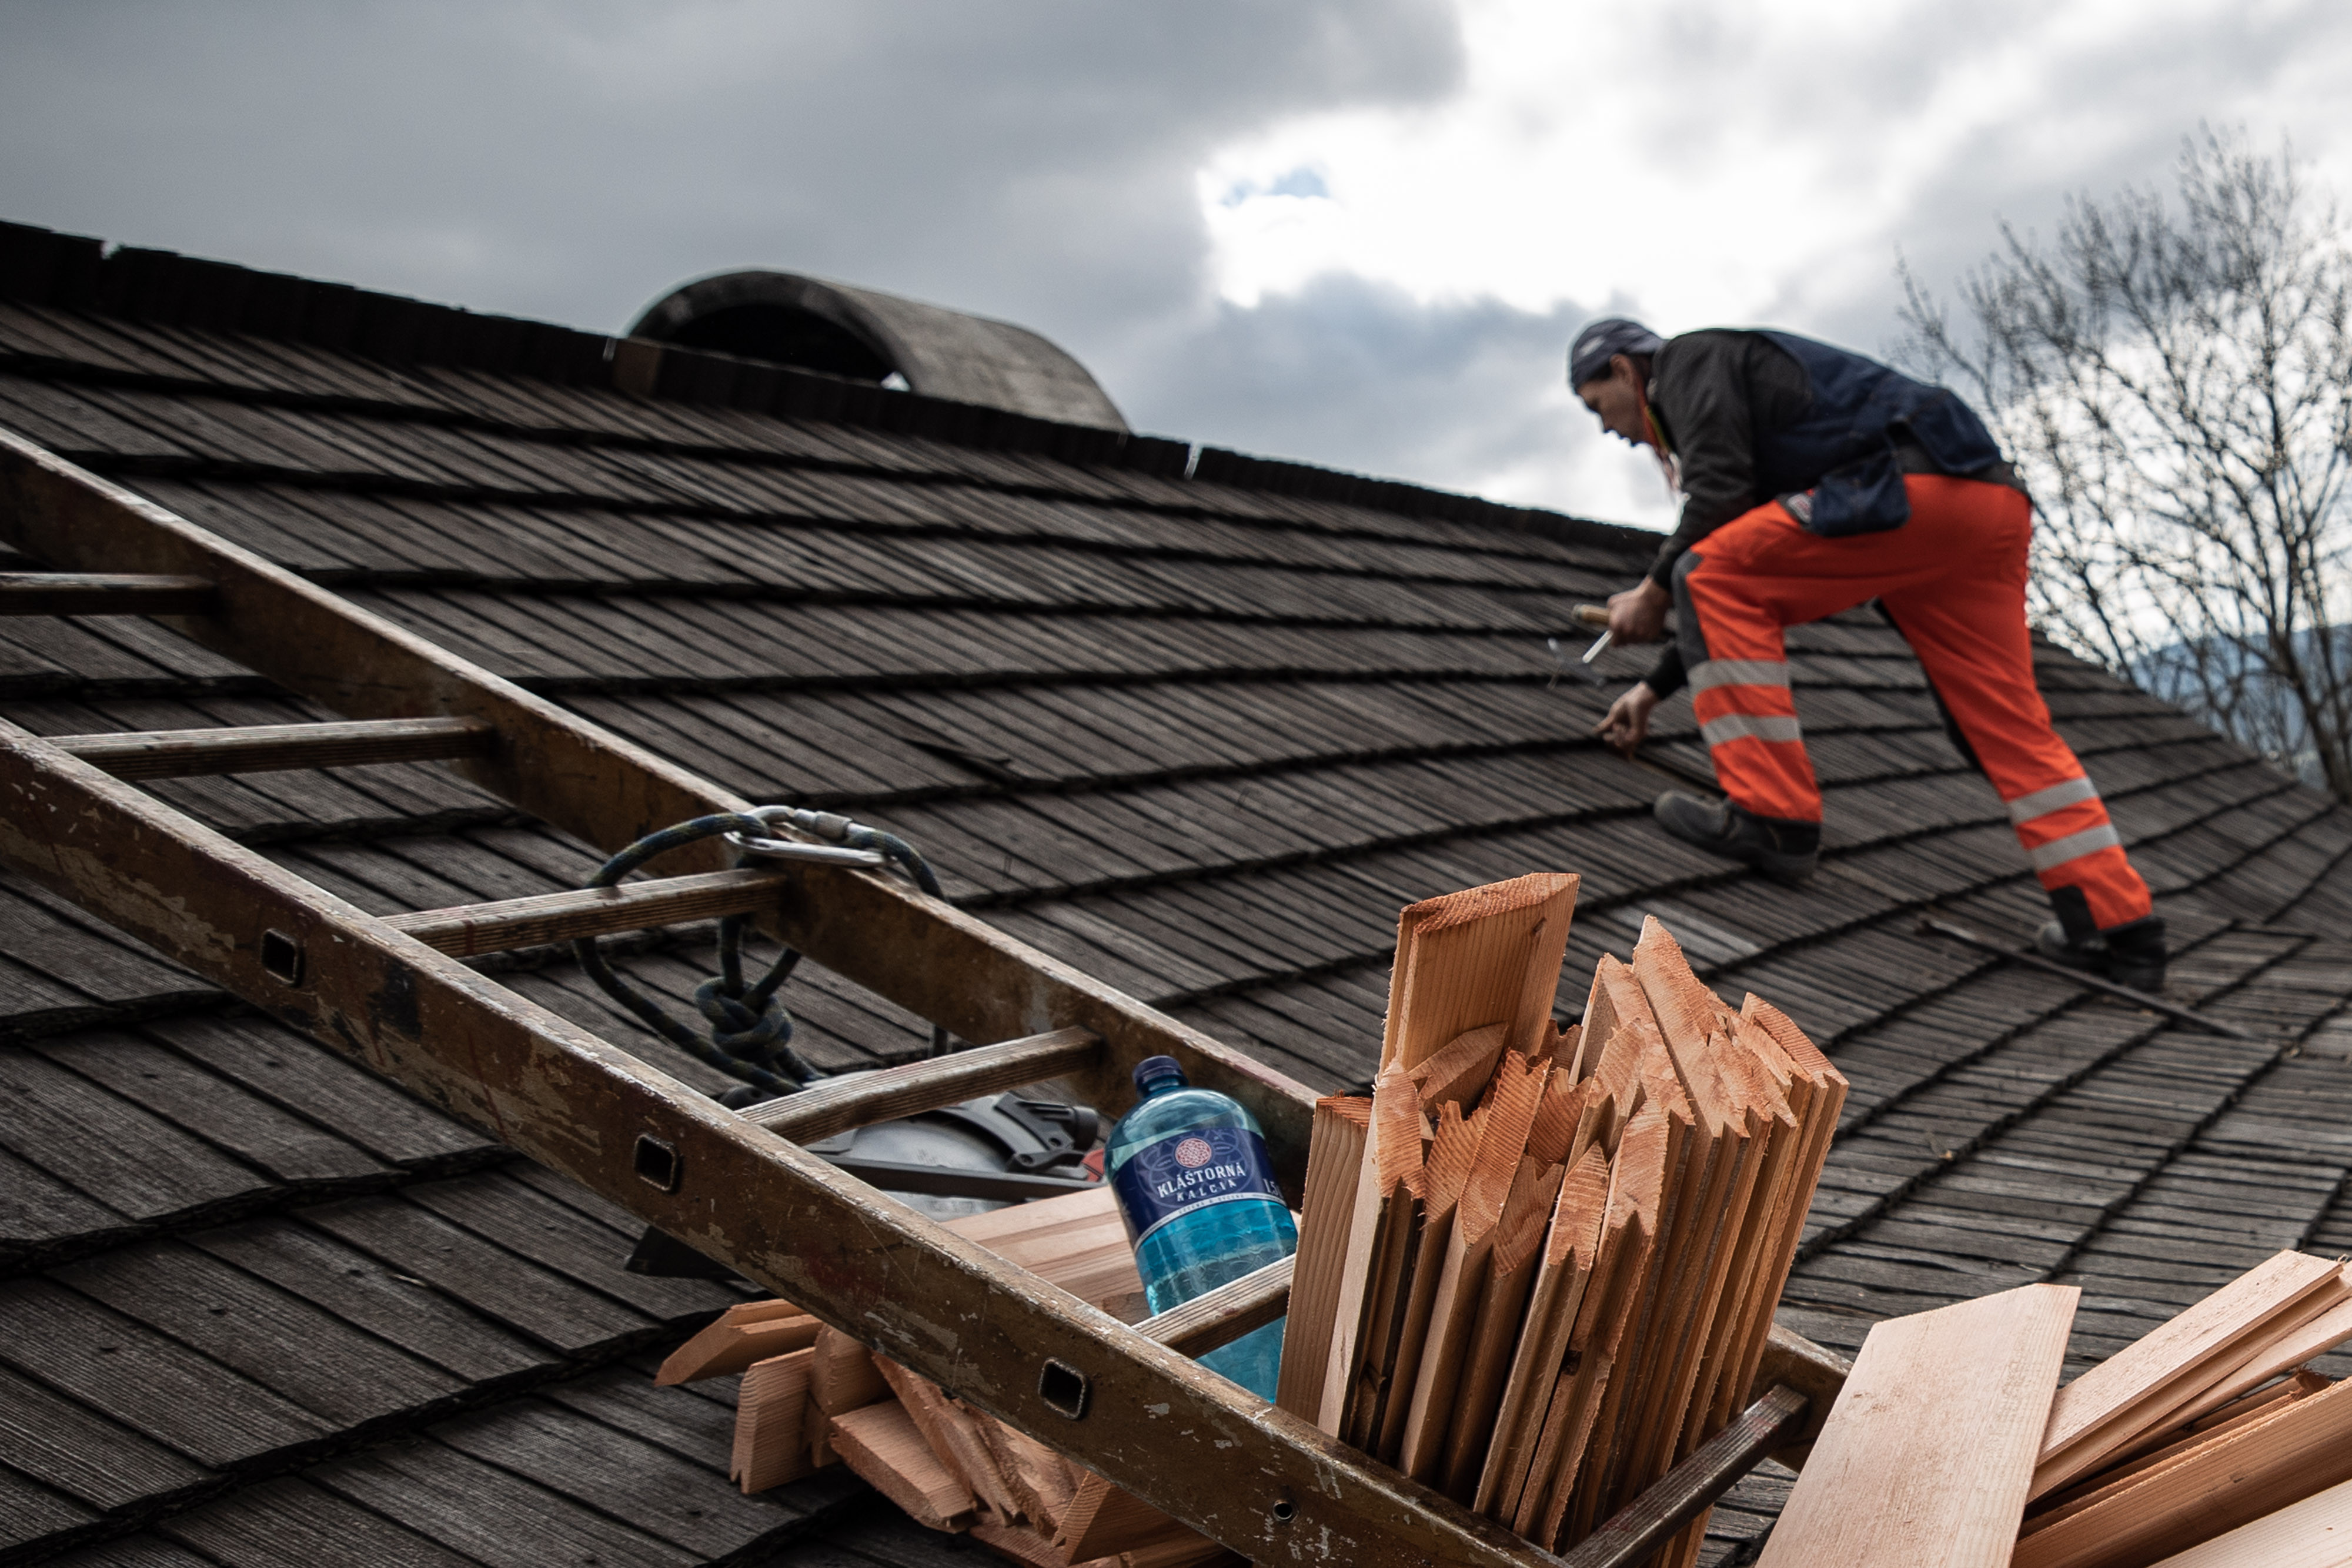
(2174, 380)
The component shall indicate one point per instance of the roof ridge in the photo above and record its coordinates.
(79, 272)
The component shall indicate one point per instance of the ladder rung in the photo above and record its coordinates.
(1221, 1316)
(103, 593)
(860, 1099)
(475, 929)
(955, 1181)
(266, 747)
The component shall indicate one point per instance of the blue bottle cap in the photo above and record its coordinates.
(1152, 1068)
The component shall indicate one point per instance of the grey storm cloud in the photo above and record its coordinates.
(1352, 371)
(1033, 160)
(1027, 160)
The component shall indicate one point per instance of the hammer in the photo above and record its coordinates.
(1588, 615)
(1594, 615)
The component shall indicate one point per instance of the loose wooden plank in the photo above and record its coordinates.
(771, 1416)
(1926, 1455)
(2297, 1449)
(2134, 1391)
(1816, 1093)
(1334, 1165)
(881, 1443)
(954, 1438)
(2314, 1533)
(2114, 1478)
(1104, 1519)
(844, 1376)
(1691, 1169)
(1483, 956)
(2291, 1344)
(753, 1331)
(1737, 1110)
(1017, 1544)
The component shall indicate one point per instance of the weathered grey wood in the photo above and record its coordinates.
(1796, 1362)
(270, 747)
(871, 927)
(2088, 982)
(861, 1099)
(1225, 1313)
(1153, 1422)
(1691, 1487)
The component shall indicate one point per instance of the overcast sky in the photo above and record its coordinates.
(1359, 234)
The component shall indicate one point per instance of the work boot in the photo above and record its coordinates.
(2131, 954)
(1783, 851)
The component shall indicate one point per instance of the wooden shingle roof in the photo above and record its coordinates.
(1197, 723)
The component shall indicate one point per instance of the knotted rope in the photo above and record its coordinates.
(751, 1032)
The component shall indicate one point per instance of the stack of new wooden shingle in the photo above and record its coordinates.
(1537, 1267)
(2203, 1445)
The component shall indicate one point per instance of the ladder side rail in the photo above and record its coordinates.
(921, 953)
(1253, 1477)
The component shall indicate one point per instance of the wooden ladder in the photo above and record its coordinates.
(391, 994)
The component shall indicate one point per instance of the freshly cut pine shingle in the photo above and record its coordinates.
(1927, 1454)
(1511, 1268)
(1334, 1165)
(1571, 1242)
(2314, 1533)
(2293, 1450)
(2142, 1389)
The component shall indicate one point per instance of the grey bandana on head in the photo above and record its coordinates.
(1603, 339)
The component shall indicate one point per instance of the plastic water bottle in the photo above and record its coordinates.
(1197, 1188)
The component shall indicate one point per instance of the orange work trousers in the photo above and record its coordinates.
(1953, 578)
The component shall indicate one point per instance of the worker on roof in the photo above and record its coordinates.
(1814, 480)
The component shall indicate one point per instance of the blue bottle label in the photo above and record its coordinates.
(1171, 1176)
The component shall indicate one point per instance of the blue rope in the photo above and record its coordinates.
(751, 1032)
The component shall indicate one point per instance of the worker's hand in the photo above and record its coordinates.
(1627, 722)
(1637, 615)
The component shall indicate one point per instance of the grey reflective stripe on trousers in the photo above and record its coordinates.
(2057, 798)
(1740, 672)
(2074, 846)
(1750, 726)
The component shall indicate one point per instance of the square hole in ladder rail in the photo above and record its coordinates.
(658, 1164)
(1064, 1389)
(282, 958)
